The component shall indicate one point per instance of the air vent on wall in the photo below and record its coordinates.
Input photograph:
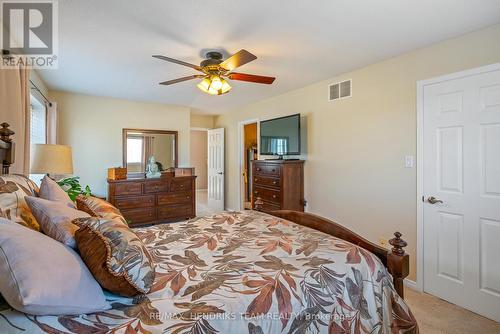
(339, 90)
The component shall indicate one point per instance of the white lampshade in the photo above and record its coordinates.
(51, 159)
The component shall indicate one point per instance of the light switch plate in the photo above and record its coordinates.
(409, 161)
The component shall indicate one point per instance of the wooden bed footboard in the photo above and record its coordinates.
(396, 260)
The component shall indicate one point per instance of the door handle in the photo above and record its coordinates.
(220, 173)
(434, 200)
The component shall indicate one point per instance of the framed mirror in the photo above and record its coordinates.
(139, 145)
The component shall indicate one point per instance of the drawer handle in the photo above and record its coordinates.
(256, 180)
(258, 169)
(274, 196)
(256, 192)
(274, 170)
(188, 197)
(274, 182)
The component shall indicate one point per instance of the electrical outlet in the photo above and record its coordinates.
(383, 242)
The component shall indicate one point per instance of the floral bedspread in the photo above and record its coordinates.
(245, 272)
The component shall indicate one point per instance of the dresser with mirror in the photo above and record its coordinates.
(167, 198)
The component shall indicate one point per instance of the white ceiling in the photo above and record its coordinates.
(105, 46)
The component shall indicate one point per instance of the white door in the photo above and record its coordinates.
(216, 169)
(461, 170)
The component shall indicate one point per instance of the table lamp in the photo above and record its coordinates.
(51, 159)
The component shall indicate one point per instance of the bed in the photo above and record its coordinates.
(250, 272)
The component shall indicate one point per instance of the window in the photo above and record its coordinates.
(38, 123)
(134, 150)
(38, 129)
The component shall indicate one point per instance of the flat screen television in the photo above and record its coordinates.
(280, 136)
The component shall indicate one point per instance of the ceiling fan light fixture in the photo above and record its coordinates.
(216, 82)
(226, 87)
(204, 85)
(214, 85)
(215, 70)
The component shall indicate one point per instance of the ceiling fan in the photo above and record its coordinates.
(215, 70)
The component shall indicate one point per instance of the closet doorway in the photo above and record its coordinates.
(248, 151)
(198, 156)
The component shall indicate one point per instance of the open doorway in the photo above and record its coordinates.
(198, 156)
(249, 152)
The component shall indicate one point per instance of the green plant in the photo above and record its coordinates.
(72, 186)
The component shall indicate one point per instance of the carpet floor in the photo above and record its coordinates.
(436, 316)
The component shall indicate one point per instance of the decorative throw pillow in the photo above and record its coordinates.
(13, 190)
(55, 219)
(100, 208)
(50, 190)
(41, 276)
(115, 255)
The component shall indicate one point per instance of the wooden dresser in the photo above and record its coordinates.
(150, 201)
(279, 184)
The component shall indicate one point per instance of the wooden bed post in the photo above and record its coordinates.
(398, 262)
(6, 147)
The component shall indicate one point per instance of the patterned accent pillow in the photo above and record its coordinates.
(55, 219)
(115, 255)
(13, 206)
(100, 208)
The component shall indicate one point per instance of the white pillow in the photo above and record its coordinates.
(55, 219)
(50, 190)
(41, 276)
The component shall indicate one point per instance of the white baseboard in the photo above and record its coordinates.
(410, 284)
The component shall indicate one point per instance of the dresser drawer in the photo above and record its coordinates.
(128, 189)
(174, 198)
(270, 169)
(155, 187)
(132, 202)
(175, 211)
(269, 207)
(260, 180)
(267, 195)
(181, 184)
(139, 216)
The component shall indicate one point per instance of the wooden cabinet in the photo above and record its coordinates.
(151, 201)
(279, 184)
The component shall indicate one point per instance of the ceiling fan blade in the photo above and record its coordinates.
(180, 62)
(251, 78)
(238, 59)
(174, 81)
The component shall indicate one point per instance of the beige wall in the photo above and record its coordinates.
(198, 157)
(202, 121)
(354, 172)
(92, 126)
